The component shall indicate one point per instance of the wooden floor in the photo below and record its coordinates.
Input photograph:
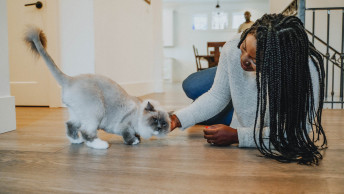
(37, 158)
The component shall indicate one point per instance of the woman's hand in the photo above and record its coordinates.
(174, 122)
(221, 135)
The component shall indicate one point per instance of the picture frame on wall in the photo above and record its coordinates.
(148, 1)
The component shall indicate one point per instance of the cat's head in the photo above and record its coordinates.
(154, 121)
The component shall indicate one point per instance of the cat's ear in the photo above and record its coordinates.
(149, 107)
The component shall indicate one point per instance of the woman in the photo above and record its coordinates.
(275, 82)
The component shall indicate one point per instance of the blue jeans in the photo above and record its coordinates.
(200, 82)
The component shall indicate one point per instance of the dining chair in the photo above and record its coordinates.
(198, 59)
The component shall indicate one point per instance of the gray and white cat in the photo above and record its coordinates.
(96, 102)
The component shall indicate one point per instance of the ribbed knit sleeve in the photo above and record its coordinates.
(213, 101)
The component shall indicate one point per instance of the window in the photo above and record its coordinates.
(219, 21)
(237, 19)
(200, 22)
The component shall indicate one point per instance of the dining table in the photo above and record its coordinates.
(216, 52)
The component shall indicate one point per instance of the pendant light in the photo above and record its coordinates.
(217, 5)
(218, 10)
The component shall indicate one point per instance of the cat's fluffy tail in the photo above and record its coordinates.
(37, 42)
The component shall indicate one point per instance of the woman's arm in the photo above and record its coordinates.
(213, 101)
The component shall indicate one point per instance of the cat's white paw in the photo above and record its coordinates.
(136, 141)
(76, 141)
(97, 144)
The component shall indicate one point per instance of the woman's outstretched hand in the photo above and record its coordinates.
(174, 122)
(221, 135)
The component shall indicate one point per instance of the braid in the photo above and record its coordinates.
(284, 86)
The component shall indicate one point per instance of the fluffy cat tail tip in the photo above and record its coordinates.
(35, 34)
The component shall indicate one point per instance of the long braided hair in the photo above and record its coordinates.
(284, 84)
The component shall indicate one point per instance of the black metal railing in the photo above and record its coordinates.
(331, 96)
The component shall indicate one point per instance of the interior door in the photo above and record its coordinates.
(29, 76)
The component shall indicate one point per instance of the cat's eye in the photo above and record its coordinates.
(155, 120)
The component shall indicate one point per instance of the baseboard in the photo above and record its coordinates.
(141, 88)
(7, 114)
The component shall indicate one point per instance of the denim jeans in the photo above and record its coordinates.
(200, 82)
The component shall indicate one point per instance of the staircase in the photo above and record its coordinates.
(327, 34)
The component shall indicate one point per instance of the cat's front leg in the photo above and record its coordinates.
(130, 138)
(72, 132)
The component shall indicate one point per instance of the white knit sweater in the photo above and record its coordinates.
(233, 83)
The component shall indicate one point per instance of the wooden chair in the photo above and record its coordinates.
(198, 59)
(217, 49)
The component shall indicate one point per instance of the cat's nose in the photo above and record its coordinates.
(159, 128)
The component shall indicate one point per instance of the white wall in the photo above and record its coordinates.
(322, 3)
(77, 36)
(185, 37)
(277, 6)
(128, 43)
(7, 108)
(121, 40)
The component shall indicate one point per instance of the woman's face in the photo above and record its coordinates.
(248, 53)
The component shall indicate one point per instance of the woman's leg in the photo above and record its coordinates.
(200, 82)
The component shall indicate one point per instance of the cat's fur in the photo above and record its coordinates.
(96, 102)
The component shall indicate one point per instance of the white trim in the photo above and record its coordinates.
(7, 114)
(26, 82)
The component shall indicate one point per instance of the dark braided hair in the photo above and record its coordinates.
(284, 85)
